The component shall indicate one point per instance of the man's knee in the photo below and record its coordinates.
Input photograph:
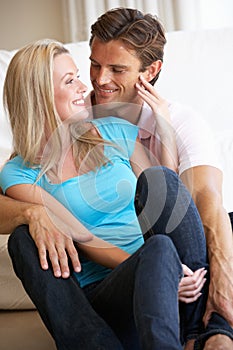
(158, 179)
(157, 190)
(158, 172)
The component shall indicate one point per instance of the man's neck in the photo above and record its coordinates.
(127, 111)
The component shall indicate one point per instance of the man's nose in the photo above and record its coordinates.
(103, 77)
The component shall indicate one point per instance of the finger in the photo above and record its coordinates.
(186, 270)
(188, 300)
(187, 291)
(145, 92)
(149, 87)
(73, 254)
(63, 262)
(147, 97)
(189, 284)
(43, 257)
(195, 278)
(42, 251)
(53, 255)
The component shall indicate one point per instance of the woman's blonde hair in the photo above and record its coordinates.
(29, 98)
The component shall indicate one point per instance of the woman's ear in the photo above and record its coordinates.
(152, 70)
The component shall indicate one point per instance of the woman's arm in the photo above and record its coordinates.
(103, 253)
(59, 215)
(159, 106)
(94, 248)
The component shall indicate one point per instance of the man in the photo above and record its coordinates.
(119, 54)
(127, 47)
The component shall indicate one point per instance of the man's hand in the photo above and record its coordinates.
(191, 285)
(220, 298)
(48, 238)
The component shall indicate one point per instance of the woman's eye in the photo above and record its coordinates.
(70, 81)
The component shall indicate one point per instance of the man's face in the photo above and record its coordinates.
(114, 72)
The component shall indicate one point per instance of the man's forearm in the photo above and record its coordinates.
(205, 185)
(12, 214)
(219, 237)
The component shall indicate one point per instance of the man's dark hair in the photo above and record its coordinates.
(142, 33)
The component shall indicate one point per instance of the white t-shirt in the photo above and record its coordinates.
(194, 139)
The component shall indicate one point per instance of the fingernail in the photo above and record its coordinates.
(65, 274)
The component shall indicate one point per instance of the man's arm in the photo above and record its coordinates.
(12, 214)
(205, 185)
(45, 235)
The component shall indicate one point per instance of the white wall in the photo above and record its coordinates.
(22, 21)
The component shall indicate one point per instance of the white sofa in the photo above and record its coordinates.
(197, 71)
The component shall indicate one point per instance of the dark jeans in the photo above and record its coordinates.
(141, 291)
(137, 302)
(153, 202)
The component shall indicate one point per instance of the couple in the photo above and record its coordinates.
(112, 82)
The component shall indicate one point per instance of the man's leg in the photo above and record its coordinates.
(164, 206)
(61, 303)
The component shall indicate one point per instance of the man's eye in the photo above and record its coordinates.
(115, 70)
(94, 65)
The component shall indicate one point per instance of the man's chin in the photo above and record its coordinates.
(123, 110)
(104, 108)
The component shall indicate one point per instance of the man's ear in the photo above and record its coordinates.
(152, 70)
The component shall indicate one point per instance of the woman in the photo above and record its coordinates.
(85, 173)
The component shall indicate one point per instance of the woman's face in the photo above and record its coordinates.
(68, 89)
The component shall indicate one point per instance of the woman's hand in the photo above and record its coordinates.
(164, 129)
(158, 104)
(191, 284)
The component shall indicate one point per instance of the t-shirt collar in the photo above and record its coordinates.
(147, 122)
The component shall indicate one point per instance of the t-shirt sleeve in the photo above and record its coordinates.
(15, 172)
(195, 142)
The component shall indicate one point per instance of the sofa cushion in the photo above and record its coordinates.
(24, 330)
(12, 293)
